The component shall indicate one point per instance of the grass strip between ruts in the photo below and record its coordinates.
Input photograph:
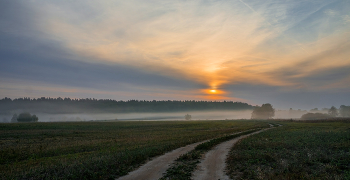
(186, 163)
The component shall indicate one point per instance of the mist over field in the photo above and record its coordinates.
(59, 109)
(65, 110)
(196, 115)
(157, 116)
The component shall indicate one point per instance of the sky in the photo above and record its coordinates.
(290, 53)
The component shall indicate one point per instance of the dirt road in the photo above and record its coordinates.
(212, 167)
(155, 168)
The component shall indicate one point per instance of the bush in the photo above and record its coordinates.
(27, 117)
(311, 116)
(14, 118)
(264, 112)
(188, 117)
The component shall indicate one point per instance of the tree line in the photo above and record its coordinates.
(91, 105)
(343, 111)
(266, 111)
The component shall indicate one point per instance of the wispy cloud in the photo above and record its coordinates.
(193, 45)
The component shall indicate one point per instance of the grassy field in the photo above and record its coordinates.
(297, 150)
(98, 150)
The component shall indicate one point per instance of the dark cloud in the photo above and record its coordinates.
(310, 70)
(315, 78)
(28, 55)
(328, 75)
(285, 98)
(17, 19)
(42, 63)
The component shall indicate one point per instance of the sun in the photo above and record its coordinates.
(213, 91)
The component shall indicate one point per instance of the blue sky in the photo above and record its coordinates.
(288, 53)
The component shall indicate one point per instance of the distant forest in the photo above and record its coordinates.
(88, 105)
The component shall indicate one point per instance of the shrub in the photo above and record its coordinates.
(264, 112)
(27, 117)
(311, 116)
(188, 117)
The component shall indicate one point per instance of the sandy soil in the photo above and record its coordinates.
(212, 167)
(155, 168)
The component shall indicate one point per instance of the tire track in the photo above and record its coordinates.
(155, 168)
(212, 167)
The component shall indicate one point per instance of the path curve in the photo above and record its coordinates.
(155, 168)
(212, 167)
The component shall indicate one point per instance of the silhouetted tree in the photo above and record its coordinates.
(315, 116)
(333, 111)
(35, 118)
(264, 112)
(27, 117)
(188, 117)
(314, 110)
(325, 109)
(14, 118)
(344, 111)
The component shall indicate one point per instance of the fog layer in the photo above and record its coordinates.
(196, 115)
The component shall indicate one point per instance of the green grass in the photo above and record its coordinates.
(184, 166)
(98, 150)
(297, 150)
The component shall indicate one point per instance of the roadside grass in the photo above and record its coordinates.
(184, 166)
(98, 150)
(296, 150)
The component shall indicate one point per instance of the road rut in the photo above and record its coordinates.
(212, 167)
(155, 168)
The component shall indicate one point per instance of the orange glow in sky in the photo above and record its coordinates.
(213, 92)
(214, 50)
(208, 49)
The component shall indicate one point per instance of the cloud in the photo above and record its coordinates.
(177, 46)
(285, 98)
(346, 19)
(179, 37)
(191, 37)
(330, 12)
(329, 57)
(47, 67)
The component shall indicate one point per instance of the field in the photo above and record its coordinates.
(107, 150)
(98, 150)
(297, 150)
